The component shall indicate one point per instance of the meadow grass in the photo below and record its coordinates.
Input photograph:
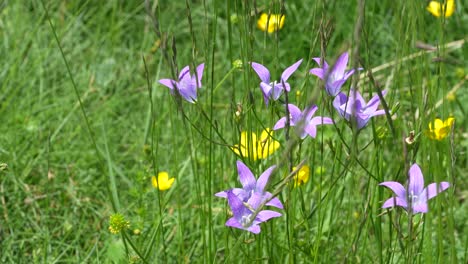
(85, 125)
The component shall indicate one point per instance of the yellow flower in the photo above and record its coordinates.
(274, 22)
(164, 182)
(440, 129)
(437, 9)
(302, 176)
(255, 149)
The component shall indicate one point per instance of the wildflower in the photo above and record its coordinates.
(246, 200)
(309, 124)
(440, 129)
(273, 90)
(117, 223)
(273, 22)
(415, 195)
(302, 176)
(251, 186)
(334, 78)
(357, 106)
(163, 182)
(446, 8)
(244, 212)
(255, 149)
(187, 85)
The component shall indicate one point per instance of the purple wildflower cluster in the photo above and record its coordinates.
(247, 203)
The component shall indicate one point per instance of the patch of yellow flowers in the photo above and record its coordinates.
(270, 23)
(445, 8)
(253, 148)
(439, 129)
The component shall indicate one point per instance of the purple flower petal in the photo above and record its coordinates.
(277, 91)
(261, 71)
(416, 180)
(310, 129)
(420, 208)
(263, 179)
(246, 177)
(317, 72)
(309, 112)
(348, 74)
(188, 91)
(395, 201)
(254, 229)
(396, 187)
(375, 101)
(340, 64)
(200, 74)
(232, 222)
(168, 83)
(275, 202)
(280, 124)
(290, 70)
(334, 88)
(184, 72)
(266, 215)
(319, 120)
(295, 113)
(433, 189)
(325, 64)
(266, 91)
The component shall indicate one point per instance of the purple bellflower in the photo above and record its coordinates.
(362, 111)
(416, 195)
(244, 216)
(187, 84)
(334, 78)
(251, 186)
(273, 90)
(310, 123)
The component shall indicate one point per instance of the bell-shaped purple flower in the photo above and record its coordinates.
(305, 118)
(273, 90)
(415, 195)
(244, 216)
(336, 76)
(245, 201)
(251, 186)
(356, 105)
(187, 84)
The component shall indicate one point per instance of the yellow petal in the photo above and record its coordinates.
(275, 22)
(267, 145)
(302, 175)
(434, 8)
(163, 183)
(449, 122)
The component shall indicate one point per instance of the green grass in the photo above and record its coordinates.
(72, 165)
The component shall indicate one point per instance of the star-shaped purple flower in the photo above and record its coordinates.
(273, 90)
(336, 77)
(416, 194)
(363, 111)
(305, 118)
(250, 186)
(186, 85)
(244, 216)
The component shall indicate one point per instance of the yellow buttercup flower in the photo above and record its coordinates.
(253, 148)
(302, 176)
(163, 183)
(440, 129)
(437, 8)
(274, 22)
